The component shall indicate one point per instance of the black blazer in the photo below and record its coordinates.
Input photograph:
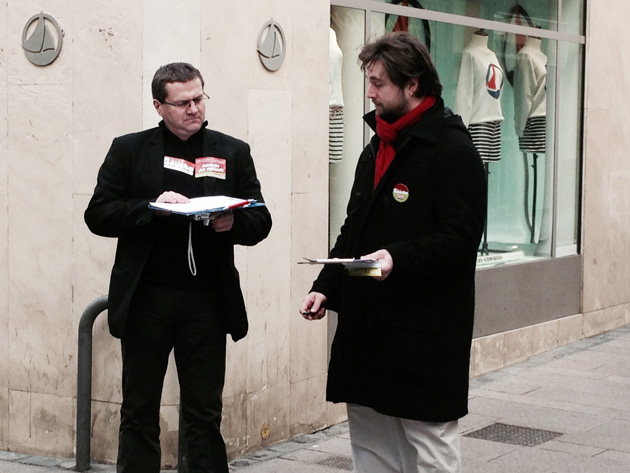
(131, 177)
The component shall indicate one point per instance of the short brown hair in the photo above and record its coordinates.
(173, 72)
(404, 57)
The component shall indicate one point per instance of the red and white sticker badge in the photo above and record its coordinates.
(179, 165)
(210, 167)
(400, 193)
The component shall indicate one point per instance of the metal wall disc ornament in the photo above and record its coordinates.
(271, 45)
(40, 44)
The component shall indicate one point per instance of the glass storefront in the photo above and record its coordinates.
(514, 72)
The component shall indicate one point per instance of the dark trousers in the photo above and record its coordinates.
(186, 321)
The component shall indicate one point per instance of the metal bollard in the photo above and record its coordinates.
(84, 382)
(84, 391)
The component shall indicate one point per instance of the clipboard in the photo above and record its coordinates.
(205, 205)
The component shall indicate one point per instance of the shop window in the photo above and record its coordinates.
(524, 113)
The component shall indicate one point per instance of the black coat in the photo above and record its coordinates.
(402, 345)
(131, 177)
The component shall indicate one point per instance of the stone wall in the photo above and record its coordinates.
(56, 124)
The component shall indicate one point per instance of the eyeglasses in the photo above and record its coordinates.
(186, 103)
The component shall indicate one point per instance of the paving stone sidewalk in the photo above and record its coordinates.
(565, 411)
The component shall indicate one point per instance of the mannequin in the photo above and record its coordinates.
(530, 96)
(419, 28)
(335, 102)
(530, 110)
(477, 100)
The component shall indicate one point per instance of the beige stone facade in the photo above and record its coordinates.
(56, 124)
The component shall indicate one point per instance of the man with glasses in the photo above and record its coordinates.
(157, 302)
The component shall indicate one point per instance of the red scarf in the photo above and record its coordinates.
(388, 132)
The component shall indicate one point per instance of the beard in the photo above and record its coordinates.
(394, 110)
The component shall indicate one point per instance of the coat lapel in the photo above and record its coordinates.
(155, 157)
(426, 130)
(209, 149)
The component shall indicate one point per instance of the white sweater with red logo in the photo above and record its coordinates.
(478, 95)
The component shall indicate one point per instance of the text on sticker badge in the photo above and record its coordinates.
(210, 166)
(178, 164)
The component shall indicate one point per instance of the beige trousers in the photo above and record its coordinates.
(387, 444)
